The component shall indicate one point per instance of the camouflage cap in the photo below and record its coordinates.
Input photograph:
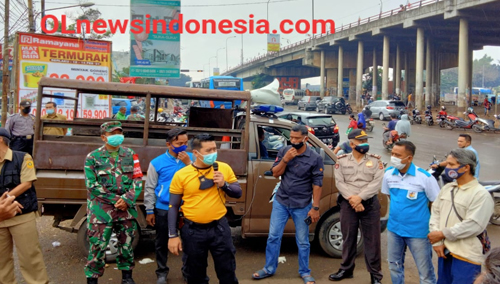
(111, 126)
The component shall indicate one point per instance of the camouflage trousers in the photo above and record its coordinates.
(99, 236)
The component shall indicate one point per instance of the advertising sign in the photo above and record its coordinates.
(273, 42)
(216, 71)
(289, 83)
(155, 54)
(66, 58)
(10, 51)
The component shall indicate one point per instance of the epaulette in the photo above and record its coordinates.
(342, 156)
(11, 115)
(374, 155)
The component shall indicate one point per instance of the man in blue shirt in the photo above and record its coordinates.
(410, 189)
(157, 194)
(464, 141)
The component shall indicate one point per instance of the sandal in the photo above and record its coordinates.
(262, 274)
(308, 278)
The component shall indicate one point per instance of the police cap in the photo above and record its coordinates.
(358, 134)
(25, 103)
(4, 133)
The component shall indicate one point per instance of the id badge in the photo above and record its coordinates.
(412, 195)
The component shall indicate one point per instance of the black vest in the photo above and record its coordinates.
(10, 177)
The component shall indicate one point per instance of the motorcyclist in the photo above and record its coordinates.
(344, 148)
(353, 124)
(443, 112)
(390, 130)
(361, 121)
(392, 124)
(367, 112)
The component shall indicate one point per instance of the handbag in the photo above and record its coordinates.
(483, 237)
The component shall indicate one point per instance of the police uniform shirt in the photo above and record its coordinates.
(19, 125)
(362, 179)
(410, 196)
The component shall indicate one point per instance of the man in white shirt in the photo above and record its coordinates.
(460, 213)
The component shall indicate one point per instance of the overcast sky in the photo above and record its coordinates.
(197, 49)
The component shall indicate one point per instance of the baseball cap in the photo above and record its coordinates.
(25, 103)
(111, 126)
(4, 133)
(358, 134)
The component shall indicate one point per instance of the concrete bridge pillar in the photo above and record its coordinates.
(322, 75)
(340, 81)
(385, 70)
(397, 78)
(359, 75)
(375, 75)
(463, 67)
(428, 74)
(331, 81)
(407, 67)
(393, 65)
(352, 86)
(419, 70)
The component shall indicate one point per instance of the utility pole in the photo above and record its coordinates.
(42, 6)
(5, 79)
(31, 16)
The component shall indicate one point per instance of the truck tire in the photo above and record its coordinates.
(330, 236)
(111, 252)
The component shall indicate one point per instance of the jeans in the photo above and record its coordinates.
(197, 241)
(420, 248)
(455, 271)
(161, 242)
(279, 218)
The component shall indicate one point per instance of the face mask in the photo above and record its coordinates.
(26, 110)
(396, 162)
(209, 159)
(177, 150)
(298, 145)
(115, 140)
(50, 111)
(453, 173)
(362, 148)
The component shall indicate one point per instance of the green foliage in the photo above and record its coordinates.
(368, 82)
(258, 81)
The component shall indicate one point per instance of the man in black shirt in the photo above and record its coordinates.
(301, 171)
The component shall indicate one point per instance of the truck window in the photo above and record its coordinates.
(327, 160)
(271, 140)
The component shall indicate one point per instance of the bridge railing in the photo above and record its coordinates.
(359, 22)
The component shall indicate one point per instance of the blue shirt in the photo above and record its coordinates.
(476, 175)
(410, 196)
(392, 124)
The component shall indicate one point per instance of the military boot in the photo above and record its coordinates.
(127, 277)
(91, 280)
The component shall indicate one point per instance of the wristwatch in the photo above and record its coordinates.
(316, 208)
(225, 186)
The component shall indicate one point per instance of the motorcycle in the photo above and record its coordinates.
(348, 108)
(438, 172)
(493, 187)
(428, 118)
(484, 124)
(441, 119)
(460, 123)
(415, 118)
(370, 124)
(396, 137)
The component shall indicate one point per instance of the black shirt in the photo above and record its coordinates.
(301, 173)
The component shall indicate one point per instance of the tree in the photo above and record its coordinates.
(258, 81)
(485, 74)
(91, 15)
(449, 80)
(368, 82)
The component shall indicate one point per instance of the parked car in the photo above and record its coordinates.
(331, 105)
(322, 126)
(308, 102)
(383, 109)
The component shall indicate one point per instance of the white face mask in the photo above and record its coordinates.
(396, 162)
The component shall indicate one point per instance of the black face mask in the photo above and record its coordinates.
(26, 110)
(299, 145)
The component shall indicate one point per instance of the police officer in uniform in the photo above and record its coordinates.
(21, 128)
(17, 175)
(113, 178)
(358, 177)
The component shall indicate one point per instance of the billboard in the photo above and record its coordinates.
(155, 54)
(66, 58)
(273, 42)
(10, 51)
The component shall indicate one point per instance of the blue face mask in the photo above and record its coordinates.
(177, 150)
(115, 140)
(453, 173)
(209, 159)
(50, 111)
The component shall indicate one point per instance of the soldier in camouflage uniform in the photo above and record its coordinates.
(114, 181)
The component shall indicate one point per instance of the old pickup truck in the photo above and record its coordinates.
(60, 159)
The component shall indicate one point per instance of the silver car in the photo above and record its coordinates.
(308, 102)
(383, 109)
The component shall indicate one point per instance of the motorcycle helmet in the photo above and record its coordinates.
(160, 110)
(429, 107)
(367, 107)
(443, 108)
(470, 110)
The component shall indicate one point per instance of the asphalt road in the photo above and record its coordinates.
(65, 263)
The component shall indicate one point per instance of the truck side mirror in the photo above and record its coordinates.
(268, 173)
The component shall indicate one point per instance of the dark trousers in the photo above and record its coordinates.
(370, 227)
(22, 144)
(161, 242)
(197, 241)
